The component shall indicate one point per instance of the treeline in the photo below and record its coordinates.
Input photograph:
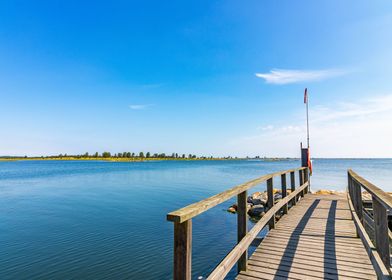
(132, 155)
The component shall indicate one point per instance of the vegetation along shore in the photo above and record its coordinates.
(128, 156)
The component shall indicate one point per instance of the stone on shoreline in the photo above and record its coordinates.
(328, 192)
(256, 211)
(258, 198)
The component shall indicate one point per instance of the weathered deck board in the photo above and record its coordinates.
(316, 240)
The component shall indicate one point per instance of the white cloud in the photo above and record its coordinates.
(139, 106)
(356, 129)
(285, 76)
(266, 127)
(363, 108)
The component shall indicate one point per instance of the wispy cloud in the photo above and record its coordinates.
(285, 76)
(140, 106)
(358, 109)
(359, 128)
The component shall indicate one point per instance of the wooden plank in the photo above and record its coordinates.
(287, 270)
(381, 231)
(311, 246)
(284, 271)
(317, 243)
(182, 250)
(330, 270)
(197, 208)
(333, 240)
(312, 254)
(309, 250)
(242, 228)
(349, 263)
(250, 275)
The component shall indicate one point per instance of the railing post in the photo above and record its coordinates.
(306, 179)
(357, 199)
(349, 180)
(242, 228)
(301, 180)
(381, 231)
(270, 201)
(292, 184)
(182, 250)
(284, 192)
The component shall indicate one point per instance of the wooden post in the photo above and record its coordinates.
(381, 231)
(242, 228)
(357, 199)
(284, 192)
(270, 201)
(304, 156)
(292, 184)
(349, 184)
(182, 250)
(301, 181)
(306, 179)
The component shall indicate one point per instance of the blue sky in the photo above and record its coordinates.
(195, 77)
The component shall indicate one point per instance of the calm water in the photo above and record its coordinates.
(106, 220)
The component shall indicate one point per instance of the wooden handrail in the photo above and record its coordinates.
(381, 203)
(379, 267)
(190, 211)
(229, 261)
(382, 197)
(182, 219)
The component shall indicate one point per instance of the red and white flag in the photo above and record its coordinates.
(306, 96)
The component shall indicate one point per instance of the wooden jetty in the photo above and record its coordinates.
(318, 236)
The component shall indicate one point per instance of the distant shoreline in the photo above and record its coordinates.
(134, 159)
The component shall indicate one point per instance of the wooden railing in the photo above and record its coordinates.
(375, 220)
(182, 219)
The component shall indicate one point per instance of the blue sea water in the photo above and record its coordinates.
(107, 220)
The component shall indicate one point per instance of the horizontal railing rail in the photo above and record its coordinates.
(376, 193)
(195, 209)
(182, 219)
(377, 221)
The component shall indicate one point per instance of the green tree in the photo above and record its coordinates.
(148, 154)
(128, 154)
(96, 154)
(106, 154)
(141, 154)
(183, 155)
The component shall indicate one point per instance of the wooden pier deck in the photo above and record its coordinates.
(316, 240)
(318, 236)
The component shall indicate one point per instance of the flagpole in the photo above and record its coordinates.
(307, 117)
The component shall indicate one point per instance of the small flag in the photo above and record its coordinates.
(306, 96)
